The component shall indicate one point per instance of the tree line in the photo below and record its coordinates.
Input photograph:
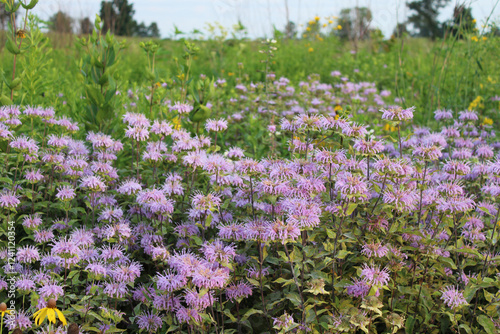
(117, 17)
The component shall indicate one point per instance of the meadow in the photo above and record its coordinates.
(229, 185)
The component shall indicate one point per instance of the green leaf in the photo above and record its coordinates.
(351, 208)
(251, 312)
(31, 5)
(487, 324)
(12, 47)
(448, 261)
(466, 328)
(6, 180)
(342, 254)
(410, 323)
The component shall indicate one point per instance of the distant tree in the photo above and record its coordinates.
(290, 30)
(425, 17)
(153, 30)
(86, 26)
(61, 22)
(141, 30)
(118, 17)
(462, 21)
(355, 23)
(400, 30)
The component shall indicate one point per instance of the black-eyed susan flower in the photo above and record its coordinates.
(51, 312)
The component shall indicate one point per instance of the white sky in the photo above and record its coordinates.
(257, 15)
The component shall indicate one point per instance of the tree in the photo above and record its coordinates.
(355, 23)
(61, 22)
(462, 21)
(86, 26)
(400, 30)
(153, 30)
(117, 17)
(425, 19)
(290, 30)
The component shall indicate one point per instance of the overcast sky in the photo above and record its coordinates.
(257, 15)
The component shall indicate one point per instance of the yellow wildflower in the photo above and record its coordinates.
(311, 49)
(487, 121)
(485, 38)
(177, 122)
(474, 38)
(337, 108)
(308, 28)
(316, 18)
(3, 309)
(230, 74)
(51, 312)
(339, 27)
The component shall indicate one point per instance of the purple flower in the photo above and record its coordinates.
(66, 193)
(374, 275)
(210, 278)
(443, 114)
(397, 113)
(374, 249)
(93, 183)
(33, 176)
(150, 322)
(452, 297)
(116, 289)
(28, 254)
(369, 146)
(468, 115)
(238, 291)
(32, 221)
(51, 291)
(182, 108)
(19, 320)
(198, 301)
(216, 125)
(9, 199)
(137, 133)
(359, 288)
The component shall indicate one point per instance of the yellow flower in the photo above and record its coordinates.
(330, 21)
(487, 121)
(177, 122)
(485, 38)
(3, 309)
(474, 38)
(339, 27)
(308, 28)
(474, 21)
(324, 25)
(230, 74)
(316, 18)
(21, 33)
(337, 108)
(158, 84)
(51, 312)
(311, 49)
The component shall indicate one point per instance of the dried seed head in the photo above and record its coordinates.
(51, 303)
